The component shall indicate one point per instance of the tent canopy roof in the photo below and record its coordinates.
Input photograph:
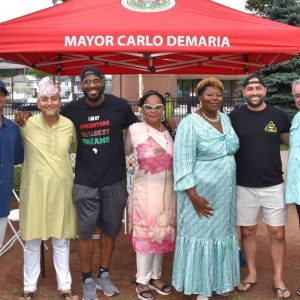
(191, 37)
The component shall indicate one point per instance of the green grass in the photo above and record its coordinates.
(17, 177)
(283, 148)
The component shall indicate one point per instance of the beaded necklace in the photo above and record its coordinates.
(211, 120)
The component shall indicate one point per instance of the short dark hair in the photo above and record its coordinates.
(147, 94)
(90, 71)
(257, 76)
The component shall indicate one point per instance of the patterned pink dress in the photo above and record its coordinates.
(151, 203)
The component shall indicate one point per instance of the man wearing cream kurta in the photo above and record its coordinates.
(46, 207)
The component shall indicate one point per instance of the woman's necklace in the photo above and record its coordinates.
(211, 120)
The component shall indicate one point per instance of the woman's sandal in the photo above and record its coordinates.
(280, 293)
(26, 296)
(68, 295)
(164, 290)
(145, 294)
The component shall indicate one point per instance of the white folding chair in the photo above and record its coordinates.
(13, 217)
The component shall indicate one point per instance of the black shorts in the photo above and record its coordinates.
(101, 207)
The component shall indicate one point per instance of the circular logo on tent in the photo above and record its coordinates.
(148, 5)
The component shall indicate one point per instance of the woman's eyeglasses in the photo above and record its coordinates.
(157, 107)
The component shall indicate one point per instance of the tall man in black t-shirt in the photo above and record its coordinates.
(261, 129)
(100, 193)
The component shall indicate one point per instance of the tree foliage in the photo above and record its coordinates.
(262, 7)
(279, 77)
(259, 7)
(285, 11)
(38, 74)
(8, 72)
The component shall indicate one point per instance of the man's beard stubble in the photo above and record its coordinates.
(95, 98)
(255, 105)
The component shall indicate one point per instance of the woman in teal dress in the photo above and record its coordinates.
(207, 252)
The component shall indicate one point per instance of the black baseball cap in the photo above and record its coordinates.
(90, 71)
(254, 78)
(3, 87)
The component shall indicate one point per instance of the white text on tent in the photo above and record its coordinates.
(146, 40)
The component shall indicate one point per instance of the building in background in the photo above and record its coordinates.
(22, 86)
(182, 87)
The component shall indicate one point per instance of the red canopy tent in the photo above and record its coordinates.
(192, 36)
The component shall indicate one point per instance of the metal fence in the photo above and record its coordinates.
(180, 108)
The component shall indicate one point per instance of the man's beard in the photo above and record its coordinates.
(96, 97)
(255, 105)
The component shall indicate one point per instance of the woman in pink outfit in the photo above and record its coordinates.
(151, 203)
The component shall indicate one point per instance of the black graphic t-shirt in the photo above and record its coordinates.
(258, 160)
(100, 158)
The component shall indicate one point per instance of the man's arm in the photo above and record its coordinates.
(284, 137)
(74, 141)
(128, 144)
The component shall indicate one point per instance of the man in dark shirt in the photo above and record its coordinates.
(261, 129)
(100, 193)
(11, 153)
